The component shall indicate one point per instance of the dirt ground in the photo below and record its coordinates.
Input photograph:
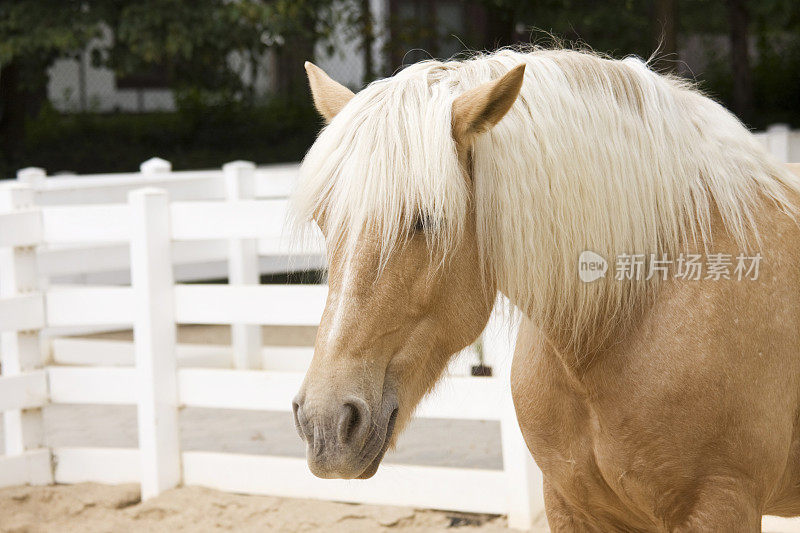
(94, 508)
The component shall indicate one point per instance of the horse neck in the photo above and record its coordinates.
(596, 338)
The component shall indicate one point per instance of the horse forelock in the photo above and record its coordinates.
(387, 159)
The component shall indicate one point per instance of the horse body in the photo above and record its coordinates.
(689, 421)
(650, 405)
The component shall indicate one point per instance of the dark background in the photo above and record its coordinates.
(744, 53)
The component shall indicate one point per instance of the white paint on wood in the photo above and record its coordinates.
(466, 398)
(276, 181)
(23, 391)
(430, 487)
(90, 306)
(777, 137)
(238, 389)
(98, 465)
(303, 251)
(90, 182)
(155, 165)
(154, 337)
(243, 266)
(20, 313)
(243, 219)
(280, 305)
(86, 223)
(102, 352)
(60, 260)
(21, 308)
(110, 189)
(27, 468)
(775, 524)
(272, 181)
(192, 260)
(94, 385)
(33, 176)
(16, 197)
(21, 228)
(287, 358)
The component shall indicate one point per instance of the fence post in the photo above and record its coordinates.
(155, 166)
(243, 266)
(33, 176)
(154, 340)
(20, 351)
(778, 141)
(526, 499)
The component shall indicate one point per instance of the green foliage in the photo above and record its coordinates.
(196, 138)
(194, 40)
(207, 49)
(44, 28)
(624, 27)
(590, 22)
(34, 32)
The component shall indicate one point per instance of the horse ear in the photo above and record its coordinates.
(479, 109)
(329, 96)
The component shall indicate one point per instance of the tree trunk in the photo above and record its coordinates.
(12, 113)
(367, 41)
(740, 59)
(500, 30)
(291, 75)
(665, 22)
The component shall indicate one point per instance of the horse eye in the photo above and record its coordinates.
(422, 223)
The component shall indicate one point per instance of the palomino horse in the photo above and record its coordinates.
(651, 400)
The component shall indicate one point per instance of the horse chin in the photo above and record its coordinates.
(376, 462)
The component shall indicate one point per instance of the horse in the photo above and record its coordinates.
(650, 402)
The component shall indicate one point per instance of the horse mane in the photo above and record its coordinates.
(595, 154)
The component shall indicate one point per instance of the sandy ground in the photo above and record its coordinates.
(101, 508)
(93, 508)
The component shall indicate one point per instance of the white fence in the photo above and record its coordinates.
(241, 210)
(108, 262)
(781, 142)
(94, 229)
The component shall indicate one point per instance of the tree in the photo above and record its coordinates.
(665, 33)
(32, 35)
(367, 26)
(193, 41)
(739, 21)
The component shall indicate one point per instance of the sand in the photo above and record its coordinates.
(94, 508)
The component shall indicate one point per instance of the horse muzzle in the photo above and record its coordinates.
(345, 439)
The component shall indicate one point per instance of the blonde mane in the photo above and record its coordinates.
(595, 154)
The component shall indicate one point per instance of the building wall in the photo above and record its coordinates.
(75, 85)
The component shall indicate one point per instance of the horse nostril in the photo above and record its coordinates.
(297, 424)
(353, 419)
